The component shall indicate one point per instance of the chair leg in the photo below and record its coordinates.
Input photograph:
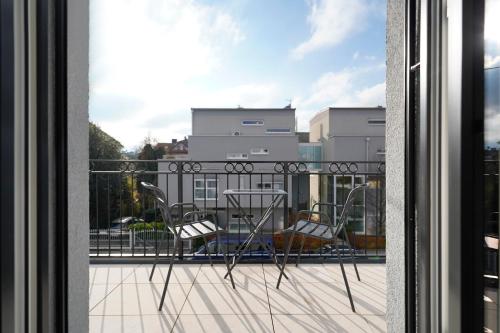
(285, 259)
(352, 255)
(274, 258)
(157, 256)
(229, 270)
(344, 276)
(172, 259)
(208, 251)
(300, 251)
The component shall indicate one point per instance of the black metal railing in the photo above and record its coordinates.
(124, 221)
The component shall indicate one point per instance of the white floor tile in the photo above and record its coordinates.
(315, 273)
(223, 299)
(182, 273)
(242, 274)
(98, 292)
(377, 323)
(223, 323)
(106, 274)
(320, 298)
(142, 299)
(132, 324)
(320, 323)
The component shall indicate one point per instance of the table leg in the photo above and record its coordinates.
(256, 228)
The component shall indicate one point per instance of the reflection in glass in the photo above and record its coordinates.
(491, 167)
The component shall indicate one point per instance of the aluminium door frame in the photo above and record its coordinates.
(462, 238)
(33, 148)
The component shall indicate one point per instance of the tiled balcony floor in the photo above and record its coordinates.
(200, 300)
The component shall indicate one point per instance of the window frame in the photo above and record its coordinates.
(376, 122)
(205, 189)
(273, 185)
(354, 206)
(253, 151)
(278, 131)
(258, 122)
(244, 156)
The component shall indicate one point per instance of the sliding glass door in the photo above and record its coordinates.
(491, 164)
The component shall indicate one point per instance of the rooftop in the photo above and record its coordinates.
(325, 111)
(286, 108)
(200, 300)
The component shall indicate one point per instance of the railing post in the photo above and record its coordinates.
(286, 223)
(180, 199)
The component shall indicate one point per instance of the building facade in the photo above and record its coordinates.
(175, 150)
(224, 140)
(349, 135)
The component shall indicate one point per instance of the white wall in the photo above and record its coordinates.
(395, 125)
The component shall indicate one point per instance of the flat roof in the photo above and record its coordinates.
(358, 108)
(243, 109)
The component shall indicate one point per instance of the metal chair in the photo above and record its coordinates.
(325, 231)
(193, 224)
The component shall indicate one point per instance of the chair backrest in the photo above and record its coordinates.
(161, 201)
(348, 205)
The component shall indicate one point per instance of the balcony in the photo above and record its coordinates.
(200, 300)
(126, 231)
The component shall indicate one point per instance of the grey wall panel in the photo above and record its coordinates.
(78, 191)
(395, 159)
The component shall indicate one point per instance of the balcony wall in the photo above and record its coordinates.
(395, 158)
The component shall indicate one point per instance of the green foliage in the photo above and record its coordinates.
(150, 151)
(103, 145)
(110, 196)
(151, 214)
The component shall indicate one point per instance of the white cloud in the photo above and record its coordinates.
(151, 52)
(340, 89)
(252, 95)
(331, 22)
(131, 128)
(491, 61)
(491, 22)
(492, 126)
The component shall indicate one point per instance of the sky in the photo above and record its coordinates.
(151, 61)
(492, 74)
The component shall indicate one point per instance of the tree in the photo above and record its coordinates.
(111, 195)
(102, 145)
(150, 151)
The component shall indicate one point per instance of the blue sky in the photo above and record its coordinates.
(152, 60)
(492, 74)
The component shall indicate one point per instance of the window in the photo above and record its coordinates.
(379, 122)
(269, 185)
(252, 123)
(259, 151)
(241, 228)
(205, 189)
(311, 152)
(277, 130)
(236, 156)
(342, 186)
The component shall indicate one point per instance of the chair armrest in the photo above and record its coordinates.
(324, 204)
(310, 213)
(183, 204)
(200, 212)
